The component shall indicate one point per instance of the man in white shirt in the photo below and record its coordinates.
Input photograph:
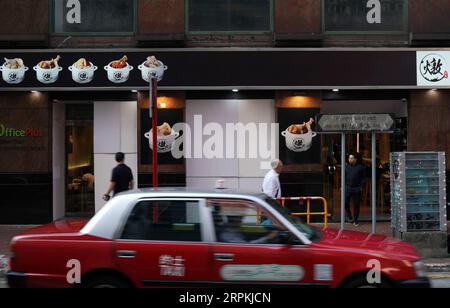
(271, 185)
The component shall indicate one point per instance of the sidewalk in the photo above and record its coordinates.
(6, 235)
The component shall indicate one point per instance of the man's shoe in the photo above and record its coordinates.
(356, 224)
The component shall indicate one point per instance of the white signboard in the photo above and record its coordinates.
(355, 122)
(264, 272)
(433, 68)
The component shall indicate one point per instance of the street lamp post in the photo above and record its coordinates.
(154, 116)
(155, 77)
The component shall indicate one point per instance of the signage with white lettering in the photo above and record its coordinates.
(94, 16)
(365, 15)
(355, 123)
(432, 68)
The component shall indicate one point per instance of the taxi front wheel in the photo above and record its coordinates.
(106, 282)
(361, 282)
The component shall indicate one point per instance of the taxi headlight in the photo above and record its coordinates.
(420, 268)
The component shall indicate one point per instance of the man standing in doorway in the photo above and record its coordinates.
(121, 179)
(354, 178)
(271, 185)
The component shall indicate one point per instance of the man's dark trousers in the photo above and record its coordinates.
(356, 195)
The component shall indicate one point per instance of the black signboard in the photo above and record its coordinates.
(93, 16)
(365, 15)
(216, 69)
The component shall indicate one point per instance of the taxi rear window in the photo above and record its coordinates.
(166, 220)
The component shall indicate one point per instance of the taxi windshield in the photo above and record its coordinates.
(310, 233)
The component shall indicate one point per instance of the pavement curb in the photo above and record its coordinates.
(438, 267)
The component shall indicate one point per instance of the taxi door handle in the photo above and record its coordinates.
(224, 257)
(126, 254)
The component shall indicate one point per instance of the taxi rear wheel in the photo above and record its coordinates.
(106, 282)
(362, 283)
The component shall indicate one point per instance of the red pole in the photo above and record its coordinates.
(154, 106)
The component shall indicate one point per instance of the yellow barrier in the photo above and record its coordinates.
(308, 213)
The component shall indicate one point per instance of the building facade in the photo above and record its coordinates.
(286, 60)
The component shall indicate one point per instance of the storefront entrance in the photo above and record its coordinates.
(361, 144)
(80, 192)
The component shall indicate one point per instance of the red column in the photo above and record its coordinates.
(154, 106)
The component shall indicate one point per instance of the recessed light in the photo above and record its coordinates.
(335, 90)
(235, 90)
(34, 91)
(134, 91)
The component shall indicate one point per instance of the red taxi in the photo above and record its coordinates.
(178, 237)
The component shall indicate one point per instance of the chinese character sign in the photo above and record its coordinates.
(432, 68)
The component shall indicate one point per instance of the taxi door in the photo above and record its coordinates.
(161, 244)
(249, 254)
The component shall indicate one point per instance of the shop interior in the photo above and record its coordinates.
(80, 179)
(361, 143)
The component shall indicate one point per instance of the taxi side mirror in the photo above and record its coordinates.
(285, 237)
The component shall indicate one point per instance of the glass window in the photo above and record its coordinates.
(244, 222)
(93, 16)
(80, 193)
(357, 15)
(168, 220)
(308, 232)
(230, 16)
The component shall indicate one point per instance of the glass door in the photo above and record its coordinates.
(80, 197)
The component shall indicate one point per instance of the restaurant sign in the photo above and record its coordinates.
(433, 68)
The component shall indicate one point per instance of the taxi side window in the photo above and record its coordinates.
(240, 221)
(168, 220)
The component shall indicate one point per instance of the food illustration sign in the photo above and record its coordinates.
(47, 71)
(165, 138)
(79, 70)
(83, 71)
(119, 71)
(299, 136)
(301, 144)
(13, 70)
(165, 133)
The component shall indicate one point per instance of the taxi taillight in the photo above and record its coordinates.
(12, 248)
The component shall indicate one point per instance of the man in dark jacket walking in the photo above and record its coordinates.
(121, 178)
(354, 179)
